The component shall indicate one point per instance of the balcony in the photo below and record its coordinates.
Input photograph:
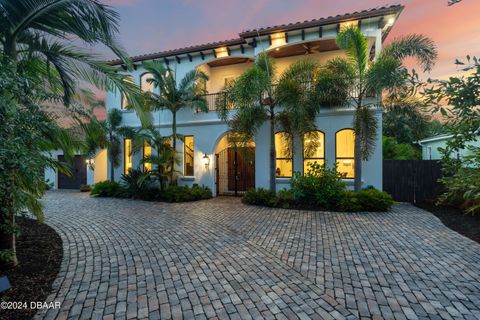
(212, 98)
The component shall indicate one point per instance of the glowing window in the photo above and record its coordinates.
(283, 155)
(344, 152)
(147, 152)
(128, 159)
(313, 149)
(146, 86)
(188, 155)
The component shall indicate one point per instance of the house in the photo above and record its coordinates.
(207, 157)
(431, 147)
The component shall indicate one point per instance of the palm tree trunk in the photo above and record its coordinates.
(174, 145)
(272, 151)
(112, 171)
(358, 164)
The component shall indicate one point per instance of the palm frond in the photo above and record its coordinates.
(416, 46)
(352, 40)
(366, 128)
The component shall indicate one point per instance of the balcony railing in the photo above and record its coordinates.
(212, 98)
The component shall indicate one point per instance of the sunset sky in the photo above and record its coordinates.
(156, 25)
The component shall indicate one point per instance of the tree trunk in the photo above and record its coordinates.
(273, 174)
(358, 164)
(174, 145)
(112, 171)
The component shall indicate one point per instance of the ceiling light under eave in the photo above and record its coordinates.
(278, 39)
(391, 21)
(221, 52)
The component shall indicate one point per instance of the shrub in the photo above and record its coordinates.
(107, 189)
(185, 193)
(366, 200)
(260, 197)
(284, 199)
(139, 185)
(85, 188)
(320, 187)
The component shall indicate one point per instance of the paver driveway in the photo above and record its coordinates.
(220, 258)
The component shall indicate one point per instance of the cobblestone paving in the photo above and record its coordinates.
(221, 259)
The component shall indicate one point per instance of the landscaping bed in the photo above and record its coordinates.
(39, 252)
(454, 218)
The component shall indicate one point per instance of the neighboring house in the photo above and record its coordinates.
(206, 156)
(431, 147)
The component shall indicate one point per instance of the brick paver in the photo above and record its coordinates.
(127, 259)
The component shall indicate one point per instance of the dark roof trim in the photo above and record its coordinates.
(371, 13)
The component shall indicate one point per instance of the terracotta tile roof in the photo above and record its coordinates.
(364, 14)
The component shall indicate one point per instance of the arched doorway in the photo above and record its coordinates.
(234, 165)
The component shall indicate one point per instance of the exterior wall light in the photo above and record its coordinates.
(206, 161)
(90, 162)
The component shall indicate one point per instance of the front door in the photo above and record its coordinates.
(235, 170)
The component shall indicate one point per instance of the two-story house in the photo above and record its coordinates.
(206, 155)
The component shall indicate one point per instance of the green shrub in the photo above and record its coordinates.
(319, 187)
(139, 185)
(366, 200)
(284, 199)
(107, 189)
(260, 197)
(185, 193)
(349, 202)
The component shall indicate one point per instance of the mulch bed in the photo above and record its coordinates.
(39, 252)
(454, 218)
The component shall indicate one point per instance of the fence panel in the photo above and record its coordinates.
(412, 180)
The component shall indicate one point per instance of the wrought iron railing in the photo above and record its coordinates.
(212, 98)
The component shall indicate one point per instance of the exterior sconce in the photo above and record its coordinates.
(90, 162)
(206, 161)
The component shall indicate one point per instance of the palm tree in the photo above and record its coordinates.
(174, 96)
(41, 30)
(164, 155)
(257, 98)
(362, 77)
(106, 134)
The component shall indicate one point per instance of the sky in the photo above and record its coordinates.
(148, 26)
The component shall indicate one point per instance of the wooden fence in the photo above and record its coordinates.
(412, 180)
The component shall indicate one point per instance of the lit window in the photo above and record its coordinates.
(124, 102)
(283, 155)
(147, 152)
(188, 155)
(127, 150)
(146, 86)
(313, 149)
(345, 146)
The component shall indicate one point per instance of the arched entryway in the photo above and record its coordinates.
(234, 165)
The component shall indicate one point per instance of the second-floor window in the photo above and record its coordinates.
(127, 156)
(146, 86)
(124, 102)
(283, 152)
(313, 149)
(188, 155)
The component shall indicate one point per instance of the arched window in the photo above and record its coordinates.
(147, 152)
(313, 149)
(124, 102)
(127, 155)
(146, 86)
(283, 155)
(344, 152)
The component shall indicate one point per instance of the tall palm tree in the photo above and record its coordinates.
(164, 153)
(253, 96)
(43, 29)
(364, 77)
(257, 98)
(173, 96)
(106, 134)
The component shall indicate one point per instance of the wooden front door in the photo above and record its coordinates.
(241, 169)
